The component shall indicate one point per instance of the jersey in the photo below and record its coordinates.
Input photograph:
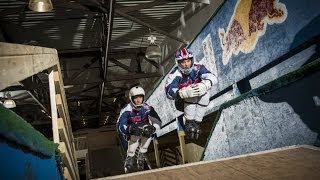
(177, 80)
(130, 116)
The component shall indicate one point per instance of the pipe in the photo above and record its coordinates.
(110, 23)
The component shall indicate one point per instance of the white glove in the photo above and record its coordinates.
(187, 92)
(202, 87)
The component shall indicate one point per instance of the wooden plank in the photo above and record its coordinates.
(62, 113)
(57, 81)
(21, 61)
(171, 158)
(54, 113)
(182, 143)
(59, 99)
(295, 162)
(156, 152)
(194, 152)
(58, 77)
(12, 49)
(66, 174)
(65, 138)
(67, 160)
(304, 163)
(60, 89)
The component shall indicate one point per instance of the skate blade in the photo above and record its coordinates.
(192, 135)
(196, 136)
(126, 170)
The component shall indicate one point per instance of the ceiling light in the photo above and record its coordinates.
(68, 86)
(9, 103)
(40, 5)
(153, 51)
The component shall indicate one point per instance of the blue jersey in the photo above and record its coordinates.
(177, 80)
(130, 116)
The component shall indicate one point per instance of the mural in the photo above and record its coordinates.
(272, 119)
(258, 129)
(249, 22)
(246, 35)
(243, 36)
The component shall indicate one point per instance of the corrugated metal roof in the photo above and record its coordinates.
(128, 34)
(83, 28)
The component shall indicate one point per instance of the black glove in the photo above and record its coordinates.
(148, 131)
(135, 130)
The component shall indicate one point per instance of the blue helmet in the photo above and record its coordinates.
(183, 54)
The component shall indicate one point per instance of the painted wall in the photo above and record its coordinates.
(18, 163)
(286, 116)
(244, 36)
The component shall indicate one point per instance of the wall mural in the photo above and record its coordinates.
(249, 22)
(272, 119)
(243, 36)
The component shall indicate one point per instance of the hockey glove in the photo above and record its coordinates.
(202, 87)
(135, 130)
(148, 130)
(187, 92)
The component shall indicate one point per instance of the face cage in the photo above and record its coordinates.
(137, 107)
(183, 70)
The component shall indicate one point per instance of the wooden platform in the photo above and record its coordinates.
(294, 162)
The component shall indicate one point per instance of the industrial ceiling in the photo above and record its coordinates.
(101, 47)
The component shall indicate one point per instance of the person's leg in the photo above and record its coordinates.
(133, 144)
(189, 110)
(144, 145)
(189, 113)
(201, 107)
(199, 114)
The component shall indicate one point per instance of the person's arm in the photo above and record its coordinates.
(155, 119)
(172, 84)
(122, 122)
(207, 81)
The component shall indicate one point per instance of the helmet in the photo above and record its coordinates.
(182, 54)
(134, 91)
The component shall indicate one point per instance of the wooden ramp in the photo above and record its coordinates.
(294, 162)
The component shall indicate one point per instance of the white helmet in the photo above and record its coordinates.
(135, 91)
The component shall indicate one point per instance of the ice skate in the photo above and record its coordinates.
(140, 161)
(128, 164)
(192, 129)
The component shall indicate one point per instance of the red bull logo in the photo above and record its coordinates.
(248, 23)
